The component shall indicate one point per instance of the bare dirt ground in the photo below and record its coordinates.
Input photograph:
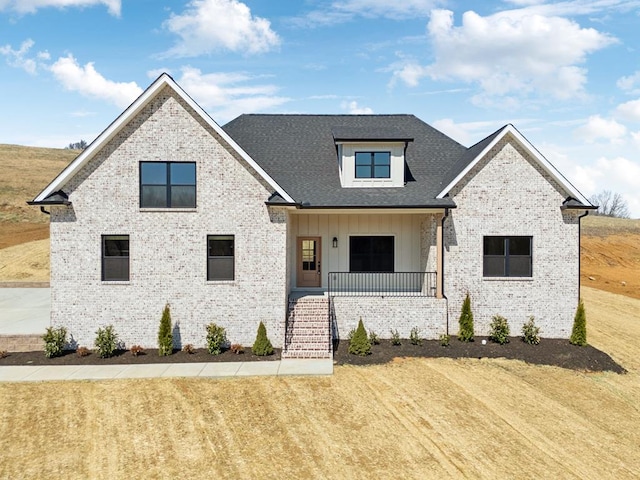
(413, 418)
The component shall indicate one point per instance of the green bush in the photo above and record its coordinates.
(395, 338)
(54, 341)
(216, 338)
(579, 332)
(499, 330)
(373, 338)
(530, 332)
(359, 344)
(262, 346)
(165, 337)
(466, 321)
(444, 339)
(106, 341)
(414, 336)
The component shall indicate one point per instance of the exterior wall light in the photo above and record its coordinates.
(335, 242)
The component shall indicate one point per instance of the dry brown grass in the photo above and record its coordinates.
(28, 262)
(416, 418)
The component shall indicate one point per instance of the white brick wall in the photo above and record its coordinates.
(507, 194)
(168, 248)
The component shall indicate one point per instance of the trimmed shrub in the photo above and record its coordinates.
(360, 344)
(136, 350)
(466, 321)
(165, 337)
(83, 351)
(395, 338)
(579, 332)
(499, 330)
(373, 338)
(530, 332)
(216, 338)
(262, 346)
(54, 341)
(188, 348)
(444, 340)
(414, 336)
(236, 348)
(106, 341)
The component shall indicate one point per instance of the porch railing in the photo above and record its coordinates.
(396, 284)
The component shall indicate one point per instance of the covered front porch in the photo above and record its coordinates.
(381, 265)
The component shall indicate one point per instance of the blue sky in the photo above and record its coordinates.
(566, 74)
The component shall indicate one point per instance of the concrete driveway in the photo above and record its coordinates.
(24, 310)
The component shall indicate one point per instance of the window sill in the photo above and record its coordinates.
(220, 282)
(508, 279)
(169, 209)
(116, 282)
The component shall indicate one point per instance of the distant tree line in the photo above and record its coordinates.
(610, 204)
(81, 145)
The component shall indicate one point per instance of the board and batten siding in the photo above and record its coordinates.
(414, 236)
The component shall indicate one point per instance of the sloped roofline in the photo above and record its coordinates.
(119, 123)
(543, 162)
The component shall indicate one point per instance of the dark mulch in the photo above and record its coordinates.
(559, 353)
(124, 357)
(554, 352)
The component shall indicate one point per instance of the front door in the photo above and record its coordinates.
(309, 262)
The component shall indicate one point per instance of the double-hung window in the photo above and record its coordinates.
(373, 164)
(371, 254)
(115, 258)
(167, 185)
(220, 257)
(507, 256)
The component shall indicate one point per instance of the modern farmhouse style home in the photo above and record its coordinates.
(307, 223)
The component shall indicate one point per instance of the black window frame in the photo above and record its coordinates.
(213, 274)
(514, 265)
(168, 185)
(108, 258)
(372, 164)
(365, 257)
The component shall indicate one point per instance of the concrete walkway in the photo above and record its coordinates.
(27, 373)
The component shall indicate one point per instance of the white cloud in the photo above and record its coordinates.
(353, 108)
(629, 111)
(87, 81)
(331, 13)
(31, 6)
(19, 59)
(227, 95)
(208, 26)
(601, 128)
(467, 133)
(513, 53)
(629, 83)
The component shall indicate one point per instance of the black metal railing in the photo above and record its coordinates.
(395, 284)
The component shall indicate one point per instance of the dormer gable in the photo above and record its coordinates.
(370, 157)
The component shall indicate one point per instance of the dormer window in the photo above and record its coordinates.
(369, 157)
(373, 164)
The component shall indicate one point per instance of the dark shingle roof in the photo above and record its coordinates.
(299, 153)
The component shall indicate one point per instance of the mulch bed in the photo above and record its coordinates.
(554, 352)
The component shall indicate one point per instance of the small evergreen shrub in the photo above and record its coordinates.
(579, 331)
(188, 348)
(359, 344)
(106, 341)
(466, 321)
(216, 338)
(236, 348)
(54, 341)
(262, 346)
(373, 338)
(530, 332)
(499, 330)
(414, 336)
(444, 339)
(83, 351)
(351, 333)
(165, 337)
(395, 338)
(136, 350)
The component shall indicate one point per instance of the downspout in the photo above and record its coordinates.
(44, 211)
(444, 217)
(586, 212)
